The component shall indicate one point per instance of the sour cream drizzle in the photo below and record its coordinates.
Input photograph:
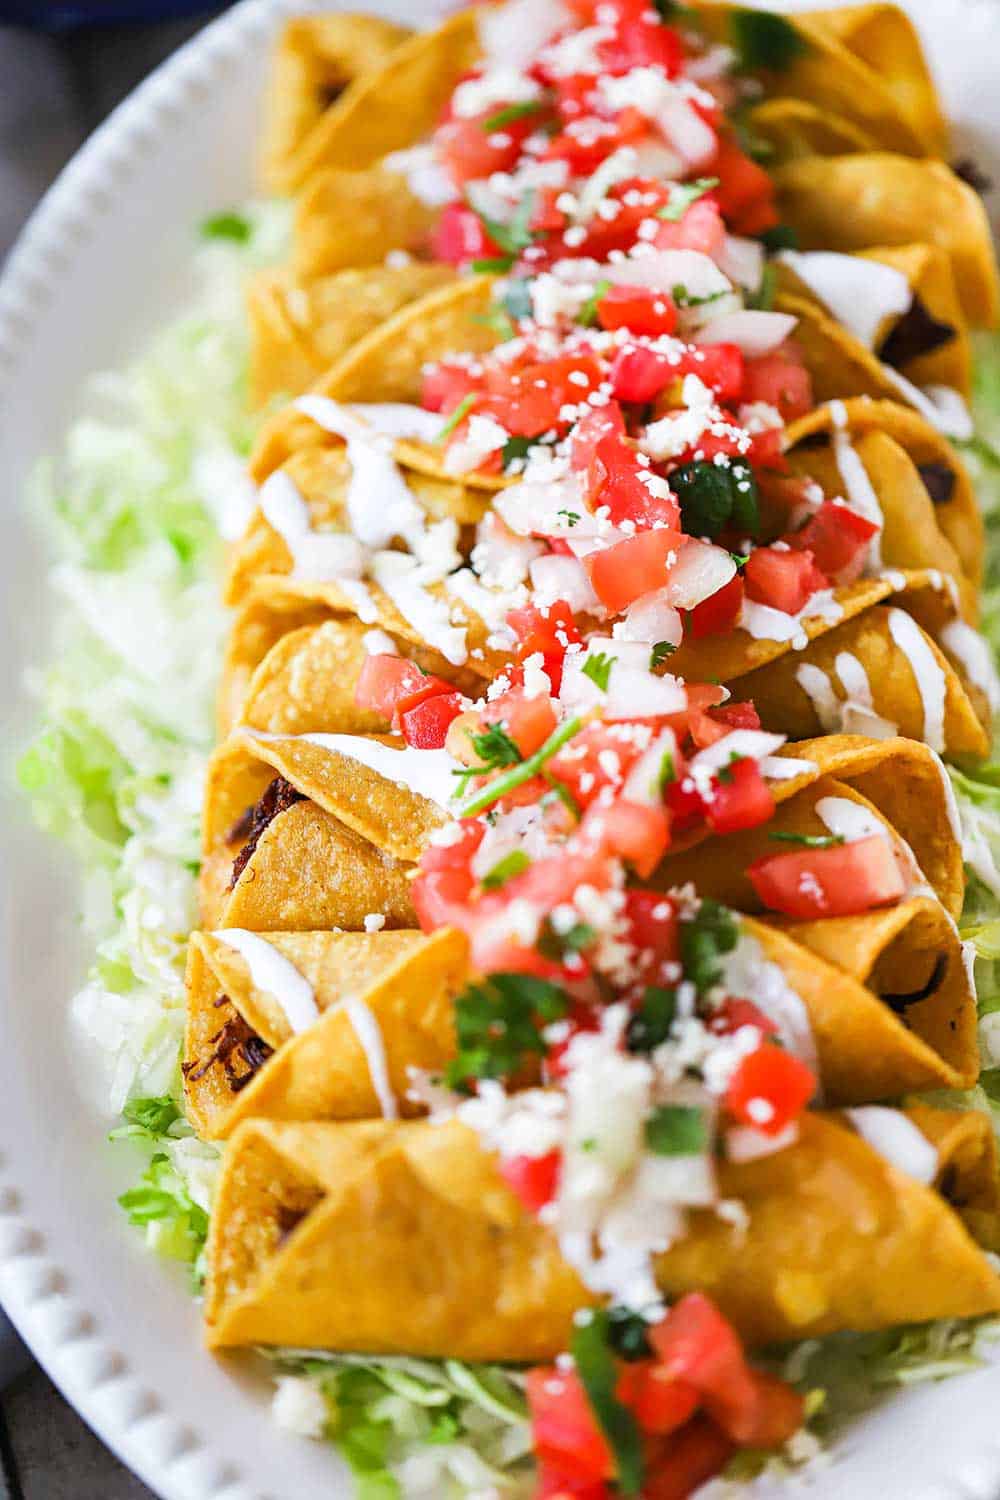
(860, 293)
(972, 652)
(927, 674)
(428, 773)
(860, 491)
(369, 1034)
(275, 975)
(897, 1139)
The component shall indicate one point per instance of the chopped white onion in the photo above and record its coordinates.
(755, 332)
(557, 577)
(651, 618)
(701, 570)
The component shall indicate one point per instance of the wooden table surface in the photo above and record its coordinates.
(53, 92)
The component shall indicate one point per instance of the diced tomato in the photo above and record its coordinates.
(642, 41)
(737, 715)
(584, 767)
(457, 855)
(735, 1012)
(719, 366)
(687, 1460)
(767, 449)
(459, 237)
(555, 1486)
(651, 919)
(533, 1179)
(838, 538)
(719, 612)
(528, 721)
(586, 143)
(565, 1431)
(769, 1089)
(391, 685)
(782, 380)
(839, 881)
(633, 567)
(630, 490)
(745, 192)
(699, 227)
(705, 730)
(775, 1415)
(549, 630)
(596, 424)
(695, 1343)
(467, 150)
(426, 725)
(530, 397)
(440, 897)
(740, 798)
(446, 386)
(781, 578)
(640, 374)
(659, 1400)
(638, 309)
(636, 832)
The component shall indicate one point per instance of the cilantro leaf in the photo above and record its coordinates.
(516, 447)
(505, 869)
(683, 298)
(763, 298)
(556, 945)
(512, 112)
(704, 938)
(649, 1025)
(518, 775)
(226, 226)
(764, 40)
(458, 415)
(514, 236)
(498, 1025)
(592, 1354)
(495, 749)
(809, 840)
(715, 498)
(683, 194)
(571, 516)
(492, 265)
(676, 1130)
(588, 312)
(661, 650)
(598, 669)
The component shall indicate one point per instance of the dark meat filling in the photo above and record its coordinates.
(899, 1003)
(917, 332)
(939, 482)
(236, 1047)
(970, 172)
(247, 830)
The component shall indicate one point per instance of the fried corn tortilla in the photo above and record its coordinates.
(400, 1238)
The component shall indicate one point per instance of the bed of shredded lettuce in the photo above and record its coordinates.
(133, 504)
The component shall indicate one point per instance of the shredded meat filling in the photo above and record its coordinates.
(917, 332)
(236, 1047)
(247, 830)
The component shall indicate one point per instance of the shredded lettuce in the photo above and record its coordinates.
(148, 482)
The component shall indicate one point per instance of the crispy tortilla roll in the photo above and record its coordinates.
(863, 63)
(791, 128)
(346, 218)
(387, 364)
(243, 1059)
(315, 62)
(400, 1238)
(297, 330)
(852, 202)
(389, 107)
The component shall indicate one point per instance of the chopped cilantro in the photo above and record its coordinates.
(661, 650)
(668, 770)
(684, 298)
(457, 416)
(512, 112)
(519, 774)
(740, 558)
(763, 297)
(704, 938)
(598, 669)
(571, 516)
(498, 1025)
(649, 1025)
(556, 945)
(517, 298)
(683, 194)
(514, 236)
(495, 749)
(716, 497)
(809, 840)
(593, 1356)
(505, 869)
(780, 237)
(565, 796)
(676, 1130)
(764, 40)
(516, 447)
(588, 312)
(493, 265)
(227, 226)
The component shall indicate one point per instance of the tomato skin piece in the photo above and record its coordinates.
(456, 856)
(633, 567)
(782, 579)
(532, 1179)
(528, 721)
(638, 833)
(687, 1460)
(652, 929)
(459, 237)
(564, 1429)
(695, 1343)
(530, 397)
(390, 685)
(639, 374)
(735, 1012)
(776, 1414)
(549, 630)
(719, 612)
(737, 715)
(585, 148)
(445, 386)
(838, 539)
(439, 897)
(745, 192)
(616, 480)
(555, 1486)
(719, 366)
(780, 379)
(595, 425)
(641, 43)
(742, 801)
(425, 726)
(637, 309)
(774, 1078)
(467, 151)
(840, 881)
(660, 1401)
(699, 227)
